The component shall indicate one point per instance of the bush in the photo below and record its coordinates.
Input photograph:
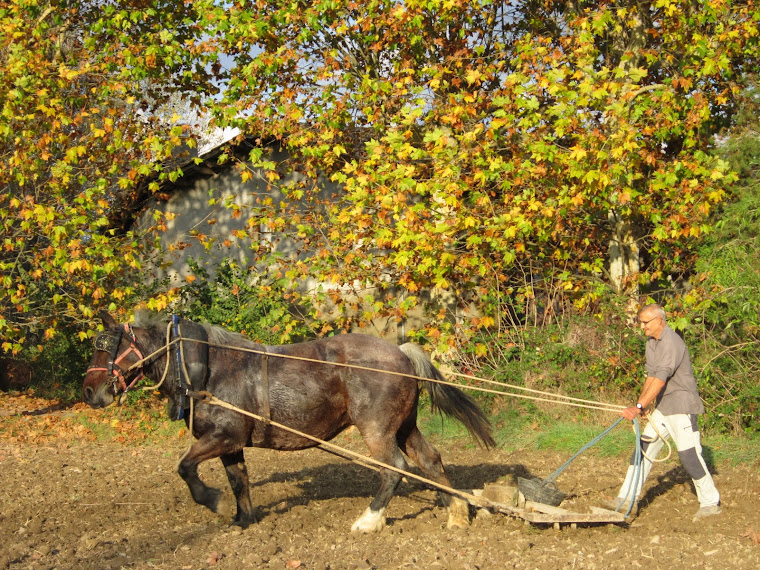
(259, 306)
(592, 353)
(57, 370)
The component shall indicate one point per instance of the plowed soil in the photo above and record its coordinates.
(90, 505)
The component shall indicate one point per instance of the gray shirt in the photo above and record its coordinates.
(667, 358)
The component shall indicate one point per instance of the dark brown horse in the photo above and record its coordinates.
(314, 396)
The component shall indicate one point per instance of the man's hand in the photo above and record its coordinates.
(631, 413)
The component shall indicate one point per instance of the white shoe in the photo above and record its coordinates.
(621, 506)
(706, 512)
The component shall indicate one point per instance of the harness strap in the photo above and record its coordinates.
(181, 383)
(113, 369)
(262, 397)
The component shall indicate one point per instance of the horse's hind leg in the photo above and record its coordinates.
(429, 460)
(373, 518)
(237, 474)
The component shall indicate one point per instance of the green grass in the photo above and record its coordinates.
(732, 450)
(522, 429)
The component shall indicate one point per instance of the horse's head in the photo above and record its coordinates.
(110, 372)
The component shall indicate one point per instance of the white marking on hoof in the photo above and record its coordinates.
(459, 514)
(224, 507)
(370, 521)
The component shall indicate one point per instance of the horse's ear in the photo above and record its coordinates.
(108, 321)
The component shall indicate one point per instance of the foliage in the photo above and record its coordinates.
(57, 368)
(498, 152)
(257, 306)
(724, 305)
(476, 140)
(77, 137)
(592, 352)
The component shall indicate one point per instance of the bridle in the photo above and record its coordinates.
(110, 343)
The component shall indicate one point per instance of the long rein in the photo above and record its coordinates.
(552, 397)
(541, 397)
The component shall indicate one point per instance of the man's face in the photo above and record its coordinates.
(651, 324)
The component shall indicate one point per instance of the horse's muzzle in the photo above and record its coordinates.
(97, 398)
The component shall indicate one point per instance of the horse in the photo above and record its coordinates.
(319, 388)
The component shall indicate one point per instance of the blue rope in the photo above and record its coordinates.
(637, 461)
(638, 466)
(553, 476)
(181, 398)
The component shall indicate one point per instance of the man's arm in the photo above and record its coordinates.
(652, 387)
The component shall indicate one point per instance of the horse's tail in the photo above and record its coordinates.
(449, 399)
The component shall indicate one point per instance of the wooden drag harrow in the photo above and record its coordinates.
(510, 500)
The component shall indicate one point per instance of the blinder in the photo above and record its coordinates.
(107, 342)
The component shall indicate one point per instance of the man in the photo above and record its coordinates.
(671, 385)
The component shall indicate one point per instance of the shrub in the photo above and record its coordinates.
(262, 307)
(56, 367)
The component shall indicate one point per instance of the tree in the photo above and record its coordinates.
(483, 147)
(77, 135)
(479, 141)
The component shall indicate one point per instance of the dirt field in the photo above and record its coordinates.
(89, 505)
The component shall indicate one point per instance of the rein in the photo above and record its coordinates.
(552, 397)
(537, 395)
(366, 461)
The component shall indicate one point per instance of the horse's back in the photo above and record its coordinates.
(349, 354)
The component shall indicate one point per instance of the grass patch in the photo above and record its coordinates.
(526, 427)
(142, 420)
(570, 438)
(732, 450)
(442, 427)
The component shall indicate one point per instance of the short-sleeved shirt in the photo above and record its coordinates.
(667, 358)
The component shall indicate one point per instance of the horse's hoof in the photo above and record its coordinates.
(456, 522)
(223, 506)
(370, 521)
(459, 514)
(244, 522)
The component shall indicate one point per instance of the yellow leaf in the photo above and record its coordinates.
(577, 153)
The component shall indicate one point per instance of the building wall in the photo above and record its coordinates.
(197, 204)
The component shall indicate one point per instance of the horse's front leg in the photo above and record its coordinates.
(207, 447)
(237, 473)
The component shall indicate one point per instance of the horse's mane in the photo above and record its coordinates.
(148, 320)
(216, 334)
